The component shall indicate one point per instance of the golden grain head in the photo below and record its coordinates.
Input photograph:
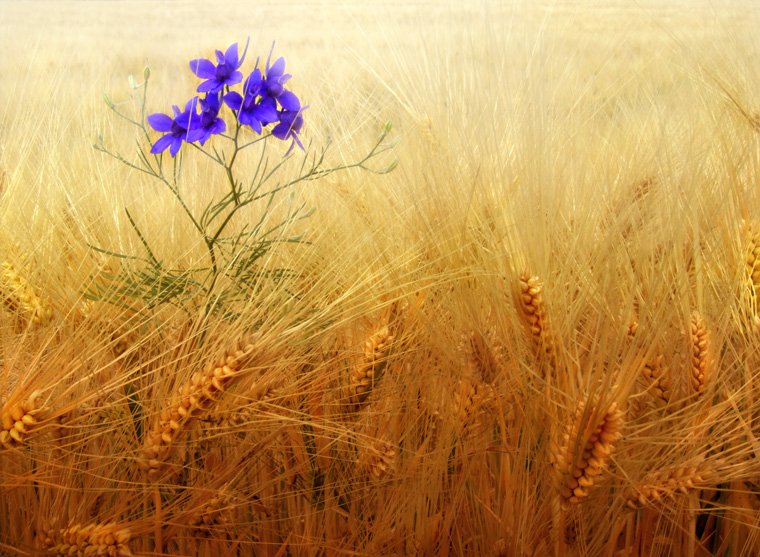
(195, 398)
(20, 420)
(663, 486)
(701, 356)
(584, 451)
(96, 540)
(21, 297)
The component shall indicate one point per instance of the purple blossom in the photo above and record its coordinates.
(255, 108)
(224, 72)
(208, 122)
(274, 85)
(178, 129)
(289, 127)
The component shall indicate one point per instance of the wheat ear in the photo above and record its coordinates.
(586, 446)
(667, 484)
(482, 357)
(19, 420)
(367, 373)
(378, 459)
(531, 304)
(195, 398)
(655, 375)
(701, 357)
(107, 540)
(20, 296)
(470, 398)
(211, 516)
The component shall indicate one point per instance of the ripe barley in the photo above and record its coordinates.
(363, 378)
(21, 297)
(107, 540)
(531, 305)
(194, 399)
(668, 484)
(701, 356)
(210, 517)
(470, 398)
(586, 446)
(238, 418)
(656, 381)
(378, 459)
(482, 357)
(19, 420)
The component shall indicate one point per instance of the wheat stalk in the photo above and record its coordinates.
(668, 484)
(107, 540)
(194, 399)
(701, 357)
(752, 258)
(367, 373)
(19, 420)
(586, 446)
(20, 296)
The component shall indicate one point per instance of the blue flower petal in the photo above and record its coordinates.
(266, 111)
(248, 119)
(289, 101)
(160, 122)
(195, 134)
(233, 100)
(281, 130)
(203, 68)
(219, 58)
(234, 78)
(161, 145)
(231, 56)
(219, 126)
(190, 105)
(209, 86)
(277, 68)
(176, 144)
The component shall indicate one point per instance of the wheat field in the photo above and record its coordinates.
(527, 325)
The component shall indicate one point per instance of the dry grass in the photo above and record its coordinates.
(406, 387)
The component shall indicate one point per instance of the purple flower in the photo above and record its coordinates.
(289, 127)
(274, 85)
(177, 128)
(225, 72)
(255, 108)
(208, 122)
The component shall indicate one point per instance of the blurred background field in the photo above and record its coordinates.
(575, 203)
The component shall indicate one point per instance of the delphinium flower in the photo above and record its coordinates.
(224, 72)
(178, 129)
(291, 122)
(253, 108)
(209, 122)
(274, 86)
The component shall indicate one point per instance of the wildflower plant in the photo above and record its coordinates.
(222, 124)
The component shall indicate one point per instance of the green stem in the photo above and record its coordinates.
(228, 167)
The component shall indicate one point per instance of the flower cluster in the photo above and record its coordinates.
(264, 101)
